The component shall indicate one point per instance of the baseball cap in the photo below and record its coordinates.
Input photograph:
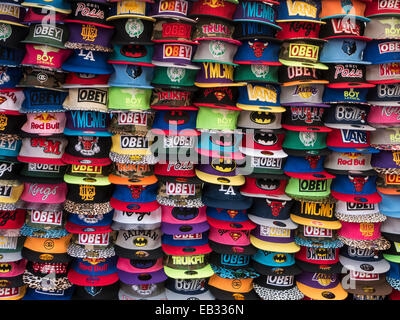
(93, 272)
(384, 95)
(229, 219)
(347, 76)
(220, 171)
(381, 8)
(303, 95)
(258, 51)
(135, 198)
(385, 139)
(132, 31)
(47, 150)
(87, 174)
(153, 291)
(187, 267)
(332, 9)
(259, 120)
(44, 224)
(358, 212)
(388, 205)
(389, 229)
(382, 51)
(265, 187)
(87, 123)
(185, 244)
(218, 97)
(383, 116)
(187, 289)
(129, 9)
(42, 100)
(385, 162)
(136, 123)
(344, 27)
(77, 79)
(139, 244)
(175, 122)
(321, 286)
(311, 167)
(315, 214)
(310, 190)
(46, 250)
(174, 77)
(93, 99)
(12, 219)
(273, 239)
(259, 97)
(109, 292)
(347, 117)
(247, 11)
(317, 259)
(256, 73)
(88, 61)
(183, 220)
(171, 98)
(275, 263)
(305, 118)
(301, 53)
(44, 124)
(90, 224)
(87, 150)
(137, 272)
(232, 289)
(16, 293)
(277, 287)
(212, 74)
(341, 162)
(213, 28)
(355, 188)
(224, 197)
(363, 260)
(125, 220)
(272, 213)
(42, 196)
(349, 140)
(316, 237)
(132, 54)
(263, 143)
(383, 73)
(387, 183)
(132, 174)
(216, 51)
(220, 145)
(56, 56)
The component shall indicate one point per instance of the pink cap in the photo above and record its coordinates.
(11, 101)
(186, 250)
(125, 265)
(44, 193)
(360, 231)
(175, 169)
(172, 215)
(42, 150)
(33, 17)
(45, 56)
(45, 123)
(388, 115)
(14, 269)
(229, 237)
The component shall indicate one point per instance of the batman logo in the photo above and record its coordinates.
(4, 283)
(265, 138)
(223, 165)
(141, 254)
(5, 267)
(134, 71)
(279, 258)
(267, 184)
(321, 252)
(176, 117)
(349, 47)
(225, 140)
(142, 264)
(133, 51)
(140, 241)
(182, 213)
(262, 117)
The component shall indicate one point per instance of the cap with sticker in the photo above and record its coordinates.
(88, 61)
(90, 99)
(259, 120)
(229, 219)
(129, 9)
(47, 34)
(382, 8)
(383, 28)
(224, 197)
(186, 244)
(187, 267)
(354, 9)
(383, 116)
(220, 171)
(314, 214)
(87, 123)
(350, 51)
(259, 12)
(343, 76)
(132, 54)
(305, 189)
(303, 95)
(217, 97)
(139, 244)
(301, 143)
(347, 117)
(311, 167)
(363, 260)
(208, 28)
(290, 76)
(301, 53)
(382, 51)
(213, 74)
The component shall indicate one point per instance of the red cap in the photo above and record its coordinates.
(85, 79)
(12, 219)
(175, 169)
(298, 30)
(341, 138)
(69, 159)
(87, 280)
(138, 207)
(263, 186)
(216, 9)
(371, 198)
(380, 7)
(186, 251)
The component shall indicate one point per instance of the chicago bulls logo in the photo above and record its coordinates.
(313, 160)
(87, 145)
(275, 206)
(258, 47)
(136, 191)
(358, 182)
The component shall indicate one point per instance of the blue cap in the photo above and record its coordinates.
(343, 50)
(9, 148)
(169, 240)
(272, 213)
(29, 231)
(382, 51)
(258, 51)
(394, 271)
(310, 13)
(105, 267)
(132, 76)
(207, 141)
(349, 116)
(56, 5)
(9, 77)
(309, 168)
(267, 258)
(88, 61)
(87, 123)
(252, 30)
(355, 188)
(224, 197)
(36, 294)
(123, 193)
(170, 121)
(350, 95)
(11, 57)
(390, 205)
(264, 96)
(132, 54)
(91, 221)
(42, 100)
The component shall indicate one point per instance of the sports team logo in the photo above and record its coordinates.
(89, 32)
(260, 70)
(358, 182)
(308, 139)
(175, 74)
(349, 47)
(258, 48)
(87, 145)
(5, 31)
(217, 48)
(134, 28)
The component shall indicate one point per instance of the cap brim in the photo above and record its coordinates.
(336, 293)
(132, 181)
(319, 268)
(175, 229)
(391, 258)
(381, 266)
(177, 296)
(323, 175)
(133, 207)
(244, 225)
(283, 197)
(185, 251)
(290, 247)
(371, 198)
(130, 16)
(269, 270)
(216, 154)
(356, 150)
(345, 85)
(315, 65)
(230, 249)
(263, 153)
(213, 85)
(306, 128)
(227, 295)
(138, 254)
(260, 108)
(232, 204)
(335, 225)
(87, 280)
(204, 272)
(232, 181)
(350, 126)
(287, 224)
(300, 82)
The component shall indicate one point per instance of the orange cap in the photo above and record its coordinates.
(339, 9)
(231, 285)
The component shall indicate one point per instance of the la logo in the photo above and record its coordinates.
(229, 191)
(87, 56)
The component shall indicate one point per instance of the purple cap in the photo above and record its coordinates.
(212, 73)
(90, 36)
(259, 234)
(310, 279)
(171, 9)
(183, 228)
(385, 159)
(142, 278)
(209, 169)
(174, 54)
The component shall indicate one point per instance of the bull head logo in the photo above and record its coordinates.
(358, 182)
(136, 191)
(276, 206)
(258, 48)
(313, 160)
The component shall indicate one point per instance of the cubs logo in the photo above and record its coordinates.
(349, 47)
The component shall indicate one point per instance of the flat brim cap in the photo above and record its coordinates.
(380, 266)
(301, 53)
(229, 249)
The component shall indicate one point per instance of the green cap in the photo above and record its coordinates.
(302, 189)
(256, 73)
(303, 140)
(174, 76)
(128, 98)
(216, 119)
(85, 174)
